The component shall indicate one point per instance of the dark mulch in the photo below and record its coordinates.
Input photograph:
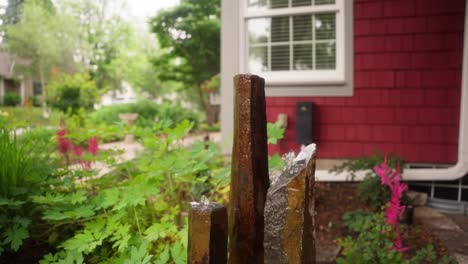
(30, 252)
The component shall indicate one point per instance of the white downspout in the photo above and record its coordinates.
(457, 171)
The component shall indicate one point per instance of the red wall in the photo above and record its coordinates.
(407, 79)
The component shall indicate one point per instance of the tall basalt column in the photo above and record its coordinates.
(289, 219)
(249, 174)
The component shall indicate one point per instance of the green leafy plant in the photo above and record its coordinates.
(34, 101)
(370, 189)
(72, 92)
(11, 99)
(148, 113)
(135, 214)
(374, 242)
(275, 132)
(25, 167)
(367, 163)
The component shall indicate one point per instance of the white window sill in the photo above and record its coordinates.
(302, 78)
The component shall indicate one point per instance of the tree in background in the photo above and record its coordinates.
(107, 37)
(12, 12)
(190, 36)
(43, 37)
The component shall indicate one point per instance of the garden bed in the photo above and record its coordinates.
(335, 199)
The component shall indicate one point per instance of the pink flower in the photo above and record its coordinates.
(64, 144)
(78, 151)
(93, 145)
(392, 179)
(398, 244)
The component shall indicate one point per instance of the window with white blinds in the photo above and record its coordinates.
(295, 36)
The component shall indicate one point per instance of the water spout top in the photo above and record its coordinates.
(204, 200)
(306, 153)
(205, 205)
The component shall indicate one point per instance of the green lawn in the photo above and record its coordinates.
(29, 117)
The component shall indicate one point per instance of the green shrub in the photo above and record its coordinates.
(374, 242)
(11, 99)
(370, 189)
(72, 92)
(148, 113)
(372, 192)
(34, 101)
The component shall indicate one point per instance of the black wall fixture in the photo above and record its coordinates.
(304, 112)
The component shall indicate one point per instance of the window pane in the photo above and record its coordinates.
(301, 2)
(279, 3)
(325, 54)
(324, 2)
(257, 4)
(259, 30)
(303, 57)
(37, 88)
(258, 59)
(325, 25)
(280, 58)
(302, 27)
(279, 29)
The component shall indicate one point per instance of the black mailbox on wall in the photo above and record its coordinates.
(304, 111)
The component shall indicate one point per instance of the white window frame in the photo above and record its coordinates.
(338, 82)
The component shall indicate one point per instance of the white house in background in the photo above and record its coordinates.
(9, 82)
(123, 96)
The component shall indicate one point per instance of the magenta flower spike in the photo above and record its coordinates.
(392, 178)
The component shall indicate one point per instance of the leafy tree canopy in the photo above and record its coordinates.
(43, 37)
(190, 36)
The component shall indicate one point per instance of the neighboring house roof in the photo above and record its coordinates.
(7, 64)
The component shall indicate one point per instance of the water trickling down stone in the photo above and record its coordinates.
(289, 212)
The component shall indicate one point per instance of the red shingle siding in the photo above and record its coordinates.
(407, 79)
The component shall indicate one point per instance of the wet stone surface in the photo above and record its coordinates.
(208, 231)
(289, 209)
(249, 174)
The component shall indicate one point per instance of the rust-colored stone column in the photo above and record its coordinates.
(289, 219)
(208, 231)
(249, 175)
